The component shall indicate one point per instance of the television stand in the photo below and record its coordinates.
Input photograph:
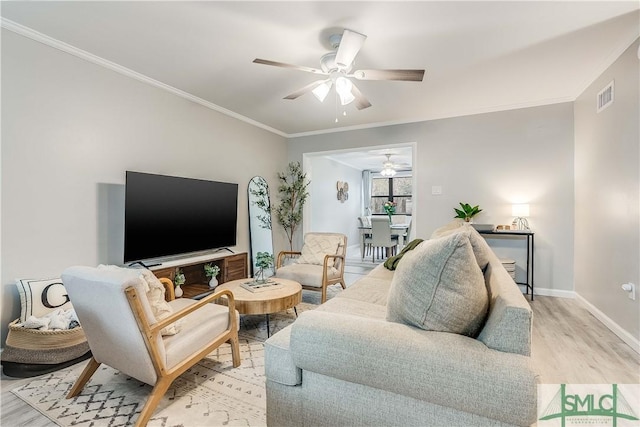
(232, 267)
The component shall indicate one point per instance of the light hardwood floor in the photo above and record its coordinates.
(569, 346)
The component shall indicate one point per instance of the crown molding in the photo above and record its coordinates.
(450, 115)
(82, 54)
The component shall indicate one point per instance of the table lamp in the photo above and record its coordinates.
(520, 212)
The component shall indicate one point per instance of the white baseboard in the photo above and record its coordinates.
(625, 336)
(546, 292)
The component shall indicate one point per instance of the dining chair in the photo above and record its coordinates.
(398, 219)
(365, 235)
(381, 237)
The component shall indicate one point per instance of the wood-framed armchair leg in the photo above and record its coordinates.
(158, 391)
(86, 374)
(235, 350)
(324, 294)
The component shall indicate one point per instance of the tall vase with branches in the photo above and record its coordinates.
(293, 192)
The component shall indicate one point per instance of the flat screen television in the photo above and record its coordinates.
(168, 215)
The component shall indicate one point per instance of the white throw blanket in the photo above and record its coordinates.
(57, 319)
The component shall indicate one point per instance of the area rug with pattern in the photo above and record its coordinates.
(211, 393)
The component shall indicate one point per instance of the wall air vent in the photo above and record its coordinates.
(605, 97)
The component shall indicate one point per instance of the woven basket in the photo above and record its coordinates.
(35, 339)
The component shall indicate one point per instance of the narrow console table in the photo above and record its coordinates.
(520, 234)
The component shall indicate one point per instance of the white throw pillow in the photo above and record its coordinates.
(316, 246)
(40, 297)
(159, 306)
(155, 295)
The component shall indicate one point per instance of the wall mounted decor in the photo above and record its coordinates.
(343, 191)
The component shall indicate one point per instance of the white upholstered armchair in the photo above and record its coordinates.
(318, 265)
(131, 328)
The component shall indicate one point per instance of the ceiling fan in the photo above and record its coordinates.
(389, 168)
(337, 66)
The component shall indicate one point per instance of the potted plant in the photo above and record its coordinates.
(293, 195)
(211, 270)
(389, 208)
(467, 212)
(263, 260)
(178, 281)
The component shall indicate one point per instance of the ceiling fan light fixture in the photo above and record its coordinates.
(322, 91)
(343, 87)
(388, 172)
(387, 167)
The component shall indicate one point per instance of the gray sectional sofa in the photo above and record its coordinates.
(345, 364)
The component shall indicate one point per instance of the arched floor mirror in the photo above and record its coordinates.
(260, 236)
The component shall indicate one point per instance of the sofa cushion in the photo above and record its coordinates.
(440, 287)
(316, 246)
(481, 248)
(368, 289)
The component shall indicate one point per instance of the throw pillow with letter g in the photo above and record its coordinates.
(39, 297)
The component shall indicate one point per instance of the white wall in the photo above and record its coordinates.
(70, 130)
(607, 219)
(493, 160)
(325, 212)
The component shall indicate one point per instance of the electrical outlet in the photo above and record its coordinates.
(436, 190)
(631, 289)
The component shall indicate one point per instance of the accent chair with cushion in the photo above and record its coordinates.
(130, 327)
(318, 265)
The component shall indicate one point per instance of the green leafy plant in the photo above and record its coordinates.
(260, 191)
(389, 208)
(467, 212)
(293, 195)
(179, 277)
(263, 260)
(211, 270)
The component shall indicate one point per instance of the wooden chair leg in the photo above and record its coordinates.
(158, 391)
(343, 285)
(324, 294)
(235, 350)
(86, 374)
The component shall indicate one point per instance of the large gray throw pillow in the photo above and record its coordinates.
(439, 287)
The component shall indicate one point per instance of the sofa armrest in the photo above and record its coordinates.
(442, 368)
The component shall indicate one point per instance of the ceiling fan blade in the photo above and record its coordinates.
(361, 102)
(290, 66)
(403, 75)
(306, 89)
(350, 45)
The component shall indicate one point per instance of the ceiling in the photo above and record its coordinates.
(400, 156)
(479, 56)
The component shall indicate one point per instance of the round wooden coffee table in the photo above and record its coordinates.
(265, 302)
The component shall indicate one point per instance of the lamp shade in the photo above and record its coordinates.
(321, 91)
(520, 210)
